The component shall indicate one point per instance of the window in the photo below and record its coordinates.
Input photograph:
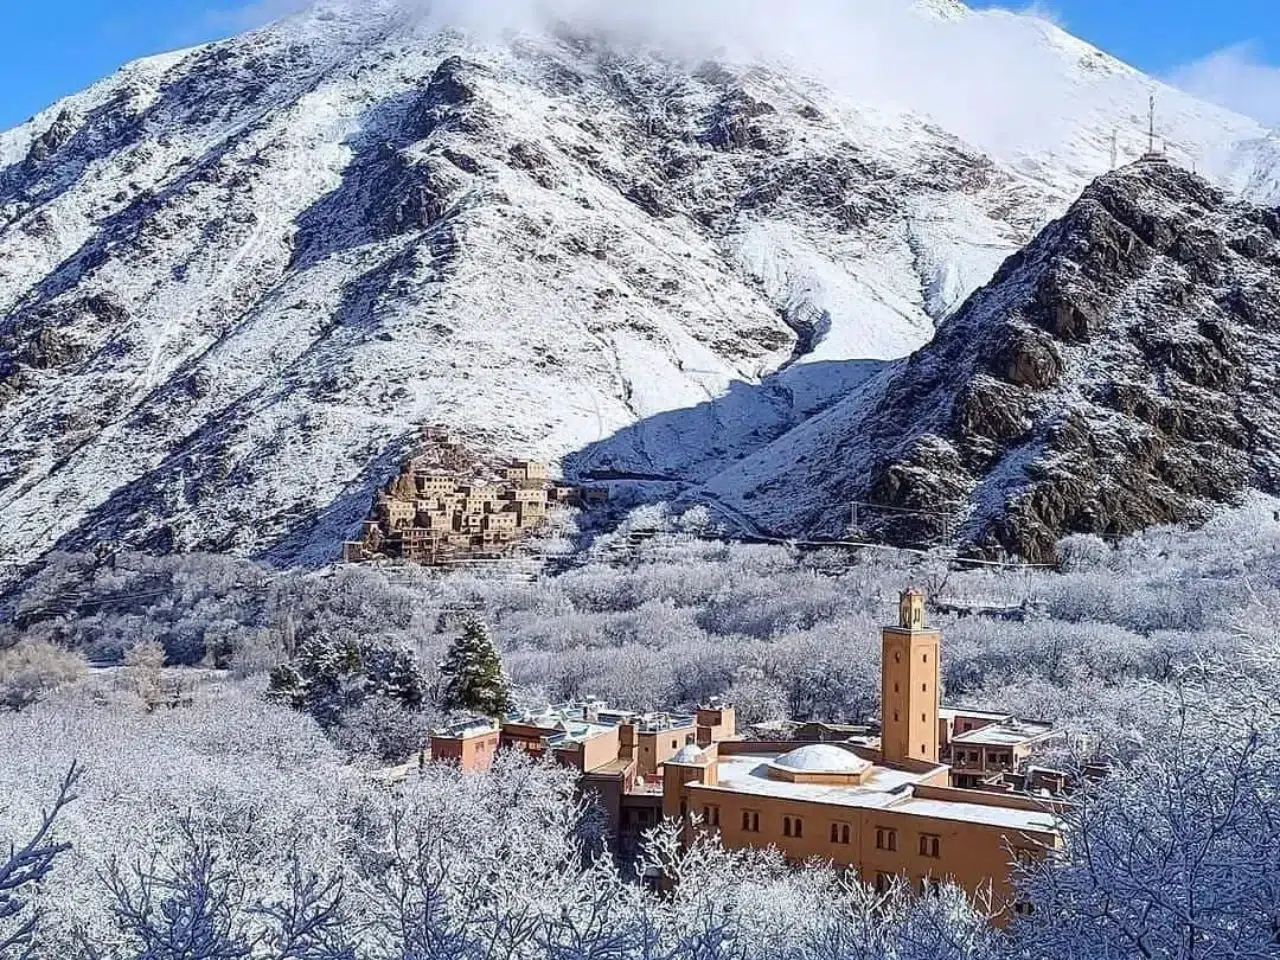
(897, 657)
(835, 833)
(1024, 909)
(840, 833)
(884, 881)
(925, 658)
(786, 826)
(750, 821)
(930, 887)
(886, 838)
(675, 744)
(924, 688)
(895, 688)
(797, 827)
(715, 816)
(895, 716)
(929, 845)
(844, 834)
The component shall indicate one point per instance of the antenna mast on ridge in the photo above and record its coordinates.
(1151, 134)
(1152, 152)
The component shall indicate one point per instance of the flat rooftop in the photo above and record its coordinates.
(749, 773)
(1007, 734)
(887, 788)
(1008, 817)
(950, 713)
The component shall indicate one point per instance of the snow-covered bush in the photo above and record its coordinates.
(31, 669)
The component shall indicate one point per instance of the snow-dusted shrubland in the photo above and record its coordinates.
(662, 620)
(228, 829)
(1161, 649)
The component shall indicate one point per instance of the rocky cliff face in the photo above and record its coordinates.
(1120, 372)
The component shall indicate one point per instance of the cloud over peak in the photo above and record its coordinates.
(1238, 79)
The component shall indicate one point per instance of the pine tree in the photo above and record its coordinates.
(471, 674)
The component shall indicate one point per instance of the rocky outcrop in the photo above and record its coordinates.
(1120, 372)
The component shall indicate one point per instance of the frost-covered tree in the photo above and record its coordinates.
(471, 674)
(32, 669)
(24, 868)
(1176, 852)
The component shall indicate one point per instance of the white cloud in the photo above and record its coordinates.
(988, 77)
(1012, 85)
(1044, 11)
(1235, 78)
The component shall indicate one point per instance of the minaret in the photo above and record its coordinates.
(910, 685)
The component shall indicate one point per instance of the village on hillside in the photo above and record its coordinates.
(450, 505)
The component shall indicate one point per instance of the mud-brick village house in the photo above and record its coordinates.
(449, 505)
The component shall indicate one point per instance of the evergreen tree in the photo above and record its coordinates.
(471, 674)
(333, 675)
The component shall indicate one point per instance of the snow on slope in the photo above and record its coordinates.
(235, 280)
(1119, 373)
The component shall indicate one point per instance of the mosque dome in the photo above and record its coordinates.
(690, 753)
(822, 758)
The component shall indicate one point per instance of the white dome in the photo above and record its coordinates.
(690, 753)
(822, 758)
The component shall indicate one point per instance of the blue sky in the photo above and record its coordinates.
(1223, 50)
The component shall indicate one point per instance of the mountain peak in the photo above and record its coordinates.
(236, 281)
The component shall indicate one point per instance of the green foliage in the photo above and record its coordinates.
(471, 675)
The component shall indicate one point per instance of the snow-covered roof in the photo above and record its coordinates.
(950, 713)
(1010, 817)
(1006, 734)
(884, 788)
(822, 758)
(749, 773)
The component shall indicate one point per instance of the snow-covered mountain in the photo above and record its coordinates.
(236, 280)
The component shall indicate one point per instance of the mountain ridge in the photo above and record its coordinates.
(1117, 373)
(234, 281)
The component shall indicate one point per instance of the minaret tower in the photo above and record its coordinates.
(910, 685)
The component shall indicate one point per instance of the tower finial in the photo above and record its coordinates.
(911, 609)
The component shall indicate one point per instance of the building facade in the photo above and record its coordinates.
(887, 812)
